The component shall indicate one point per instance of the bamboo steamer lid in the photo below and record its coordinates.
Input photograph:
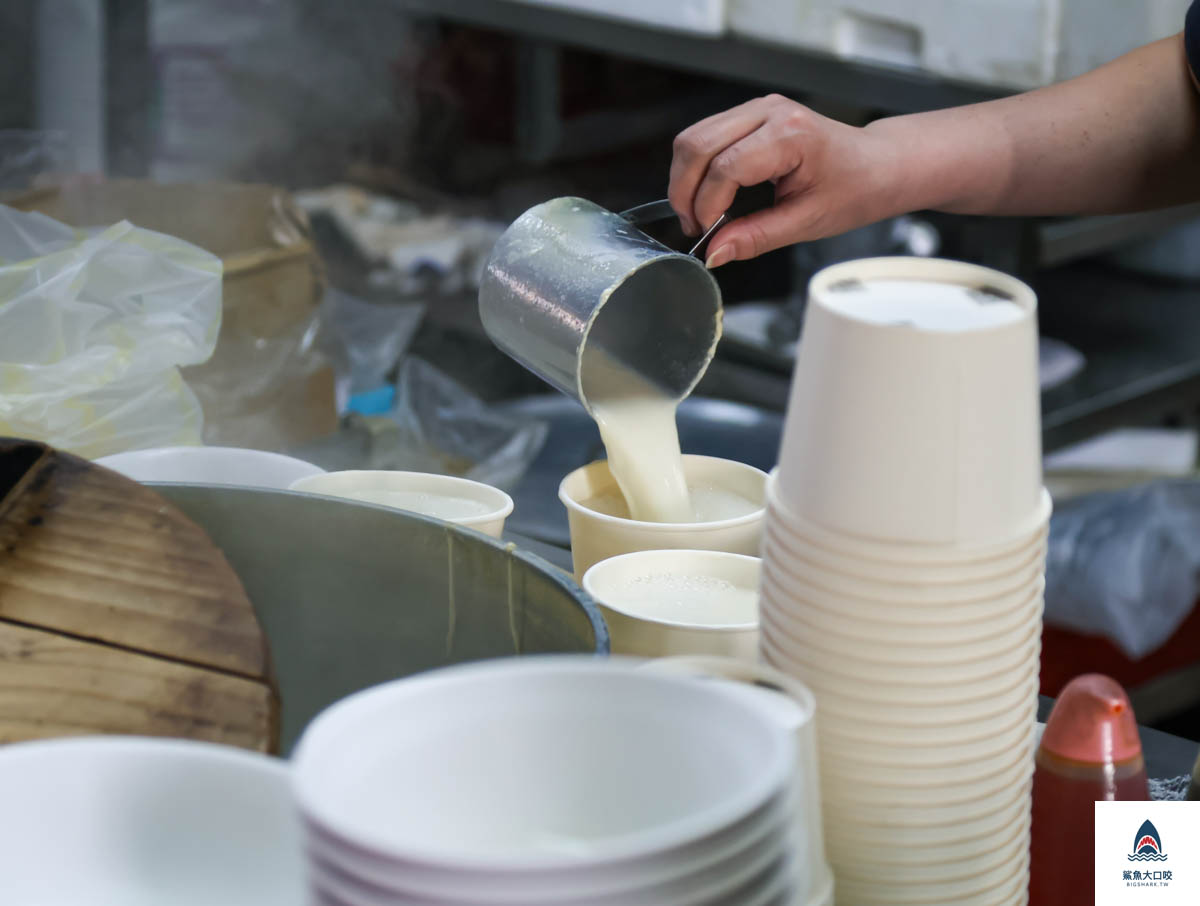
(118, 614)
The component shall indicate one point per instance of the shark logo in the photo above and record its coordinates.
(1147, 845)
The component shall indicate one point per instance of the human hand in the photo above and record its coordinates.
(828, 177)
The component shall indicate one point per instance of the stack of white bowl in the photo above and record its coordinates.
(559, 780)
(903, 574)
(146, 822)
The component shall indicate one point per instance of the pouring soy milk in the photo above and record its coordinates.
(637, 424)
(625, 325)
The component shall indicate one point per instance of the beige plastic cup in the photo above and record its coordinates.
(1005, 852)
(859, 750)
(934, 650)
(932, 655)
(668, 626)
(798, 613)
(949, 739)
(804, 555)
(461, 501)
(821, 669)
(596, 536)
(883, 610)
(931, 693)
(963, 796)
(801, 660)
(898, 849)
(915, 406)
(884, 777)
(800, 718)
(901, 553)
(929, 594)
(931, 822)
(989, 887)
(981, 712)
(900, 618)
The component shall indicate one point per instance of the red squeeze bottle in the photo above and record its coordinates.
(1090, 752)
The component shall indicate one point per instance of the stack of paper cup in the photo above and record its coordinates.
(564, 781)
(903, 562)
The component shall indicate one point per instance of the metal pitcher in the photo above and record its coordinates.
(570, 280)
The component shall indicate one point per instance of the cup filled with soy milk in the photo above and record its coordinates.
(462, 501)
(679, 602)
(723, 512)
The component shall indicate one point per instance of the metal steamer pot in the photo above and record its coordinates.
(351, 595)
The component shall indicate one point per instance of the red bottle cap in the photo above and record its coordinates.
(1093, 723)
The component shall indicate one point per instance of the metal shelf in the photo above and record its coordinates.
(769, 67)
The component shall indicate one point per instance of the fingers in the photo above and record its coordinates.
(761, 232)
(764, 155)
(697, 145)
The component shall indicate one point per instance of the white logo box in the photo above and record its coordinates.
(1147, 853)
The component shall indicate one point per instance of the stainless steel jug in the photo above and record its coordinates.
(570, 280)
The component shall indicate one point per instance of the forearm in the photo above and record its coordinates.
(1124, 137)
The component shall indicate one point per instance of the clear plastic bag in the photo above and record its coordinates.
(365, 340)
(442, 427)
(93, 329)
(1126, 564)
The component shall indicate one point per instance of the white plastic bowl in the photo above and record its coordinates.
(640, 628)
(731, 846)
(483, 508)
(126, 821)
(211, 465)
(795, 707)
(537, 763)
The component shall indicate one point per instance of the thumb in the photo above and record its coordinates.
(757, 233)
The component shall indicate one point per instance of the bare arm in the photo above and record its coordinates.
(1124, 137)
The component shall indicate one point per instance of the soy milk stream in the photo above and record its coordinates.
(637, 425)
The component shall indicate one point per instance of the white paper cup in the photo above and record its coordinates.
(461, 501)
(641, 626)
(804, 556)
(596, 536)
(929, 594)
(899, 431)
(536, 764)
(805, 619)
(797, 713)
(900, 553)
(211, 465)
